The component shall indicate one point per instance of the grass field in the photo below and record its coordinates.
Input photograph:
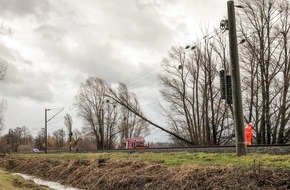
(14, 182)
(182, 158)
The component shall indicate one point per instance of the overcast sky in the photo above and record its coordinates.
(51, 46)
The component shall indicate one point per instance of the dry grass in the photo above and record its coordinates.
(111, 173)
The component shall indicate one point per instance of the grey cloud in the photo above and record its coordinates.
(94, 60)
(100, 64)
(132, 25)
(26, 84)
(97, 38)
(24, 7)
(12, 56)
(21, 81)
(141, 4)
(135, 27)
(51, 33)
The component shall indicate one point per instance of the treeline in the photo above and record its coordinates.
(191, 79)
(20, 139)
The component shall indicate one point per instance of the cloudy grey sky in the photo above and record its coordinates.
(52, 46)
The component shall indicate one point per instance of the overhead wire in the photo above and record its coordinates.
(136, 79)
(34, 129)
(132, 81)
(31, 128)
(143, 73)
(198, 41)
(148, 91)
(155, 103)
(148, 76)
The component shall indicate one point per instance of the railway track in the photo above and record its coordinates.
(259, 149)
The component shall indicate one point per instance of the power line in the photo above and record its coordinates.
(156, 103)
(134, 80)
(144, 73)
(148, 91)
(198, 41)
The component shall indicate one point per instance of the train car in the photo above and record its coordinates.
(134, 143)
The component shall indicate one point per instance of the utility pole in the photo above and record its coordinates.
(70, 135)
(236, 82)
(102, 129)
(45, 129)
(10, 141)
(45, 124)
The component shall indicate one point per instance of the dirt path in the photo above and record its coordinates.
(109, 174)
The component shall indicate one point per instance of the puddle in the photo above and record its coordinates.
(50, 184)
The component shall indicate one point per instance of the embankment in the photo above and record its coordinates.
(105, 173)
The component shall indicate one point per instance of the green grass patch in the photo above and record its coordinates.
(14, 182)
(181, 158)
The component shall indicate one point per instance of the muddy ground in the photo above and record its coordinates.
(109, 174)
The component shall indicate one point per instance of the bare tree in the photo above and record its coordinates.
(121, 99)
(90, 102)
(176, 92)
(131, 125)
(18, 139)
(59, 136)
(105, 119)
(264, 27)
(76, 138)
(281, 132)
(3, 145)
(68, 123)
(86, 139)
(3, 70)
(193, 104)
(111, 122)
(224, 117)
(2, 109)
(39, 140)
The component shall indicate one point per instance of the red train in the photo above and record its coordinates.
(134, 143)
